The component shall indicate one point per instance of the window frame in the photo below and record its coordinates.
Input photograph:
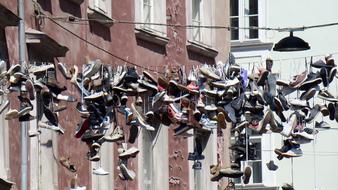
(243, 20)
(246, 162)
(96, 6)
(154, 5)
(207, 35)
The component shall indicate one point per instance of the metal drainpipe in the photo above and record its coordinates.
(23, 125)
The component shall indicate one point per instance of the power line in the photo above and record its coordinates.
(100, 48)
(73, 19)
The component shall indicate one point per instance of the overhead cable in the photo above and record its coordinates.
(115, 21)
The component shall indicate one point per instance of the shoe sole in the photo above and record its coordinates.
(278, 104)
(308, 84)
(247, 175)
(126, 172)
(290, 155)
(308, 95)
(328, 99)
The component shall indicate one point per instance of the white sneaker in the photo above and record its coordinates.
(34, 132)
(100, 171)
(79, 188)
(131, 152)
(52, 127)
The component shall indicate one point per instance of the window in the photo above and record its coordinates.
(254, 160)
(102, 6)
(151, 11)
(201, 15)
(4, 129)
(244, 13)
(196, 20)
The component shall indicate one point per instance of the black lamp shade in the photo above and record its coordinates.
(291, 43)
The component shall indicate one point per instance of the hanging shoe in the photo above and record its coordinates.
(247, 174)
(115, 136)
(130, 152)
(271, 166)
(66, 163)
(50, 126)
(127, 173)
(99, 171)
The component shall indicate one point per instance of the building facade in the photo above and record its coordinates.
(314, 170)
(54, 33)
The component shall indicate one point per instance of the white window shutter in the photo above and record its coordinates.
(207, 20)
(138, 11)
(159, 15)
(102, 5)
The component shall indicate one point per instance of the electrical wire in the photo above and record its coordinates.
(114, 21)
(98, 47)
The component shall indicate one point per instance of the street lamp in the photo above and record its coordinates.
(291, 43)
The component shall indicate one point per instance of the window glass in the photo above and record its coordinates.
(233, 7)
(253, 21)
(244, 13)
(196, 19)
(234, 32)
(147, 11)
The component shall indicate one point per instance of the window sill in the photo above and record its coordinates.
(78, 2)
(7, 17)
(250, 45)
(44, 43)
(257, 186)
(201, 49)
(152, 37)
(101, 18)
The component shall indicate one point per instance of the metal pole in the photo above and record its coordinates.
(23, 125)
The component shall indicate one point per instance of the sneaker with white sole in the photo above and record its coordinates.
(131, 152)
(116, 135)
(48, 125)
(100, 171)
(127, 173)
(293, 152)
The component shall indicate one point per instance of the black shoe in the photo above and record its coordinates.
(262, 78)
(313, 114)
(283, 100)
(281, 116)
(26, 117)
(195, 156)
(308, 94)
(131, 75)
(198, 146)
(324, 76)
(272, 166)
(197, 165)
(332, 73)
(52, 117)
(332, 110)
(133, 132)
